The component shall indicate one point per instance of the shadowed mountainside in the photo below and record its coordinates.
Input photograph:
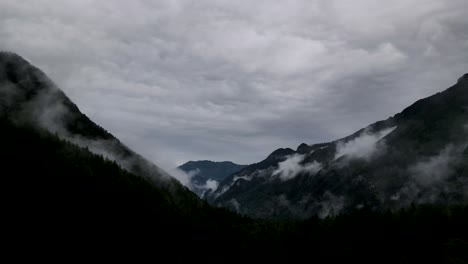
(207, 174)
(61, 196)
(415, 156)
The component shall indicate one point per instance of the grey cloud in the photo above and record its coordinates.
(186, 179)
(331, 205)
(365, 146)
(292, 167)
(432, 177)
(210, 185)
(435, 169)
(233, 80)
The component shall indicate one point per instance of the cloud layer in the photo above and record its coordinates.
(233, 80)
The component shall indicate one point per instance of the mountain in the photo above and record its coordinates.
(69, 186)
(28, 96)
(68, 183)
(57, 166)
(415, 157)
(206, 174)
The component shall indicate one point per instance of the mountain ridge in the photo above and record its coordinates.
(59, 196)
(206, 174)
(29, 97)
(382, 164)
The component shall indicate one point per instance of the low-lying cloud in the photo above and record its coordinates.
(292, 167)
(436, 168)
(331, 205)
(188, 180)
(33, 99)
(211, 185)
(364, 146)
(431, 178)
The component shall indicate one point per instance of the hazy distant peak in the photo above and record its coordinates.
(206, 174)
(207, 162)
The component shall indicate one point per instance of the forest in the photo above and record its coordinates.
(58, 194)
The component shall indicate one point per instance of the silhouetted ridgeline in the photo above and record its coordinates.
(414, 157)
(59, 196)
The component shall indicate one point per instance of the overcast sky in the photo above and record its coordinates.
(234, 80)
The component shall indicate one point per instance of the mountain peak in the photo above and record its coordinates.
(281, 153)
(8, 54)
(10, 61)
(464, 78)
(302, 148)
(17, 71)
(426, 150)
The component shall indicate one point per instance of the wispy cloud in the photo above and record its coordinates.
(291, 167)
(364, 146)
(435, 169)
(331, 205)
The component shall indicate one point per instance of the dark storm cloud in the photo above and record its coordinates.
(233, 80)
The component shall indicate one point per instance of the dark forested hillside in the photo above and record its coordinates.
(414, 157)
(29, 97)
(60, 197)
(49, 183)
(56, 190)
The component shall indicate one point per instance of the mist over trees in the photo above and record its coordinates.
(414, 157)
(69, 181)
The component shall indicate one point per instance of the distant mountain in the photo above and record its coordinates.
(206, 174)
(415, 157)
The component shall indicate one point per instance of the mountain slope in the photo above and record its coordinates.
(64, 175)
(60, 197)
(207, 174)
(29, 97)
(412, 157)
